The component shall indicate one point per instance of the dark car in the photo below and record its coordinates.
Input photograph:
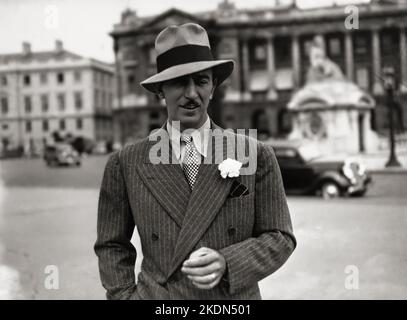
(61, 154)
(306, 171)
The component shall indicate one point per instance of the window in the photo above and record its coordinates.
(130, 80)
(4, 105)
(28, 127)
(60, 77)
(226, 48)
(96, 98)
(110, 101)
(259, 96)
(257, 55)
(361, 45)
(62, 124)
(61, 101)
(129, 53)
(79, 124)
(96, 77)
(45, 126)
(78, 100)
(4, 126)
(44, 103)
(334, 47)
(362, 78)
(260, 53)
(387, 43)
(27, 104)
(282, 51)
(27, 79)
(102, 98)
(43, 78)
(77, 76)
(3, 80)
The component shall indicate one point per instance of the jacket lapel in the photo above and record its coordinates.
(210, 192)
(166, 182)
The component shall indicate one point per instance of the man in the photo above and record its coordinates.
(205, 234)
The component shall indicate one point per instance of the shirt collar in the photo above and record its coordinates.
(200, 138)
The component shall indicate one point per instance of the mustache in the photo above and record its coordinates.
(191, 102)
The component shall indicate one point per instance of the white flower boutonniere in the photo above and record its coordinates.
(229, 168)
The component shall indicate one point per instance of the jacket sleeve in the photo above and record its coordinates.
(273, 240)
(115, 226)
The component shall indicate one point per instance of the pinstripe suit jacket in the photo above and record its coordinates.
(253, 231)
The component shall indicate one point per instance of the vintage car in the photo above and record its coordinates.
(61, 154)
(306, 171)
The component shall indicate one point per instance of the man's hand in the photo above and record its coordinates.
(205, 267)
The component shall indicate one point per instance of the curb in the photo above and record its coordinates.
(387, 171)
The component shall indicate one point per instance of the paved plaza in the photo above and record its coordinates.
(48, 218)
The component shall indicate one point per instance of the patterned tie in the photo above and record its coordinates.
(191, 161)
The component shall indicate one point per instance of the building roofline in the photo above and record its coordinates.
(145, 22)
(36, 60)
(278, 16)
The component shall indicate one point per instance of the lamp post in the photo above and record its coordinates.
(389, 84)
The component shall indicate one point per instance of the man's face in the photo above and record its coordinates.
(188, 97)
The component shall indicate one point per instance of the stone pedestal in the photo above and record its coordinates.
(336, 130)
(336, 115)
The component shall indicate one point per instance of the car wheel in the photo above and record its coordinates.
(330, 190)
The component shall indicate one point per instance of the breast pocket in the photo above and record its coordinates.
(233, 223)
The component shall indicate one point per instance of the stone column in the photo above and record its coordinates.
(228, 48)
(271, 69)
(246, 69)
(403, 59)
(376, 57)
(349, 56)
(295, 55)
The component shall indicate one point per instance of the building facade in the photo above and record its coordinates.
(53, 91)
(270, 47)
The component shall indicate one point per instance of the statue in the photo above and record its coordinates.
(330, 109)
(322, 68)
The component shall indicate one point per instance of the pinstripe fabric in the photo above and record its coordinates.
(253, 232)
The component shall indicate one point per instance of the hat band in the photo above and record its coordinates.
(183, 54)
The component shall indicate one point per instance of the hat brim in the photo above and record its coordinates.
(222, 69)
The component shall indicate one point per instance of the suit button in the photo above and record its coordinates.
(154, 236)
(231, 231)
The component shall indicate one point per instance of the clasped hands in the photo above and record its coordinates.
(205, 267)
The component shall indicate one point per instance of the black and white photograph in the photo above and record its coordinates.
(203, 150)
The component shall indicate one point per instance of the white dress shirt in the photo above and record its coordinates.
(200, 138)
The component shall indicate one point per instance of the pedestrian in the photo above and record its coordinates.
(207, 230)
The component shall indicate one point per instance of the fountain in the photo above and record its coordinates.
(330, 110)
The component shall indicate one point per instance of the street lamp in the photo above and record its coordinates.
(389, 83)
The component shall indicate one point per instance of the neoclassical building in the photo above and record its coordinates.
(270, 47)
(46, 91)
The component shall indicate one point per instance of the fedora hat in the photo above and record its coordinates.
(183, 50)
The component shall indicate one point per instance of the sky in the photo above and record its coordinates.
(84, 25)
